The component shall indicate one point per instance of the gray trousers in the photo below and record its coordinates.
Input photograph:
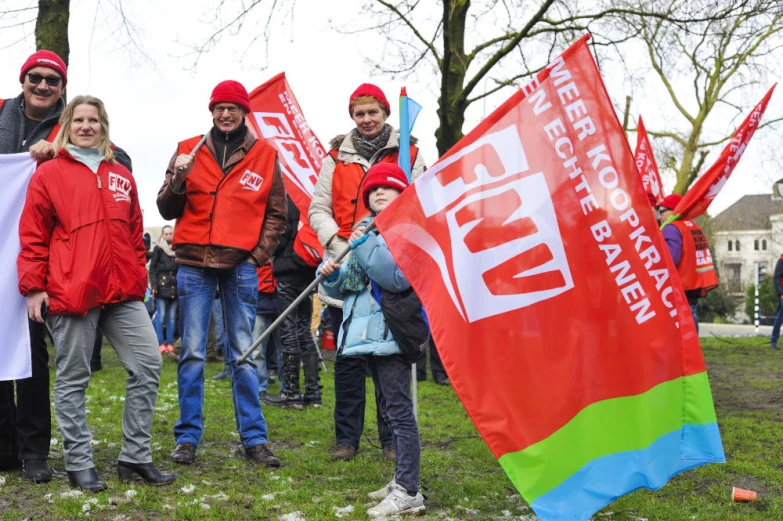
(128, 328)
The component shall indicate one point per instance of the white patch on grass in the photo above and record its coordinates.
(268, 497)
(95, 442)
(188, 489)
(48, 498)
(130, 493)
(340, 512)
(220, 496)
(506, 513)
(72, 493)
(293, 516)
(204, 506)
(2, 481)
(87, 505)
(53, 442)
(313, 443)
(205, 482)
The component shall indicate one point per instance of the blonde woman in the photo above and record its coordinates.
(82, 266)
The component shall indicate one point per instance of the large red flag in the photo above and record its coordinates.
(648, 168)
(699, 197)
(278, 119)
(552, 300)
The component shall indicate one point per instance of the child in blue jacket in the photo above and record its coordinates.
(364, 332)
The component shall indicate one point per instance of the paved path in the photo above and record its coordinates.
(733, 330)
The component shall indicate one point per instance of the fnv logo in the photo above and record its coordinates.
(506, 249)
(120, 186)
(251, 181)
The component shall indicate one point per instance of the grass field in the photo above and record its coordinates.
(460, 477)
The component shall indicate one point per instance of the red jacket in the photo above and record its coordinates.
(81, 236)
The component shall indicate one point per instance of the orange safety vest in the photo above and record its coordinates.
(347, 204)
(225, 209)
(696, 269)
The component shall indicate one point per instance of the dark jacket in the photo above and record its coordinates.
(12, 129)
(163, 274)
(288, 266)
(171, 204)
(777, 276)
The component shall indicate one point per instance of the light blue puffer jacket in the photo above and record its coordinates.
(364, 330)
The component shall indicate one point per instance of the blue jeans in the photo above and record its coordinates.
(773, 340)
(262, 322)
(238, 295)
(166, 315)
(220, 328)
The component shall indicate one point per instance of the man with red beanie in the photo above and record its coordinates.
(29, 123)
(688, 247)
(230, 204)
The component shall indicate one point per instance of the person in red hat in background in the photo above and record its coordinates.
(335, 210)
(29, 123)
(371, 269)
(688, 247)
(230, 204)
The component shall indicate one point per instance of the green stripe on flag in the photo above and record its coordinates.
(608, 427)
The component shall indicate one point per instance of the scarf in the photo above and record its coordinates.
(165, 246)
(367, 149)
(355, 278)
(91, 157)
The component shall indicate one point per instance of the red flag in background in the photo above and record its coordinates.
(278, 119)
(648, 168)
(699, 197)
(552, 300)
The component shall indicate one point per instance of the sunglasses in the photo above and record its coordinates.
(35, 79)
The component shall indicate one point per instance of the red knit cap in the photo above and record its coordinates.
(383, 174)
(670, 202)
(368, 89)
(48, 59)
(230, 91)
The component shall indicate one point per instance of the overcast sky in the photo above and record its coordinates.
(153, 104)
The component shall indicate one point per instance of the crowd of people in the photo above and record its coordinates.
(85, 271)
(232, 258)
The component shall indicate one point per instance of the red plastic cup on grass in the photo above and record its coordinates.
(740, 495)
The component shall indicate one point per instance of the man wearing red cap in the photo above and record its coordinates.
(688, 247)
(336, 208)
(230, 204)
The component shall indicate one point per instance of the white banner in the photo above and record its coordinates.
(15, 173)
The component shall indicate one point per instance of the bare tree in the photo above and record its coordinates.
(50, 20)
(707, 68)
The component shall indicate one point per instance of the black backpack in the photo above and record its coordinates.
(405, 318)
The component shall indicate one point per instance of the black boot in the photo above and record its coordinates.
(145, 472)
(37, 471)
(86, 479)
(312, 394)
(284, 400)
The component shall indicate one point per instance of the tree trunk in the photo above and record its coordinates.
(451, 104)
(51, 27)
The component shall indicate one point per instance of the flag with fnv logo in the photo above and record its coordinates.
(278, 119)
(554, 305)
(648, 168)
(15, 173)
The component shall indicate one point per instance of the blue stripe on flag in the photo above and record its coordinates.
(605, 479)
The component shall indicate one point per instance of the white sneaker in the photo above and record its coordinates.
(398, 502)
(381, 493)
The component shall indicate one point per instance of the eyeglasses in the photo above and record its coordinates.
(217, 111)
(35, 79)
